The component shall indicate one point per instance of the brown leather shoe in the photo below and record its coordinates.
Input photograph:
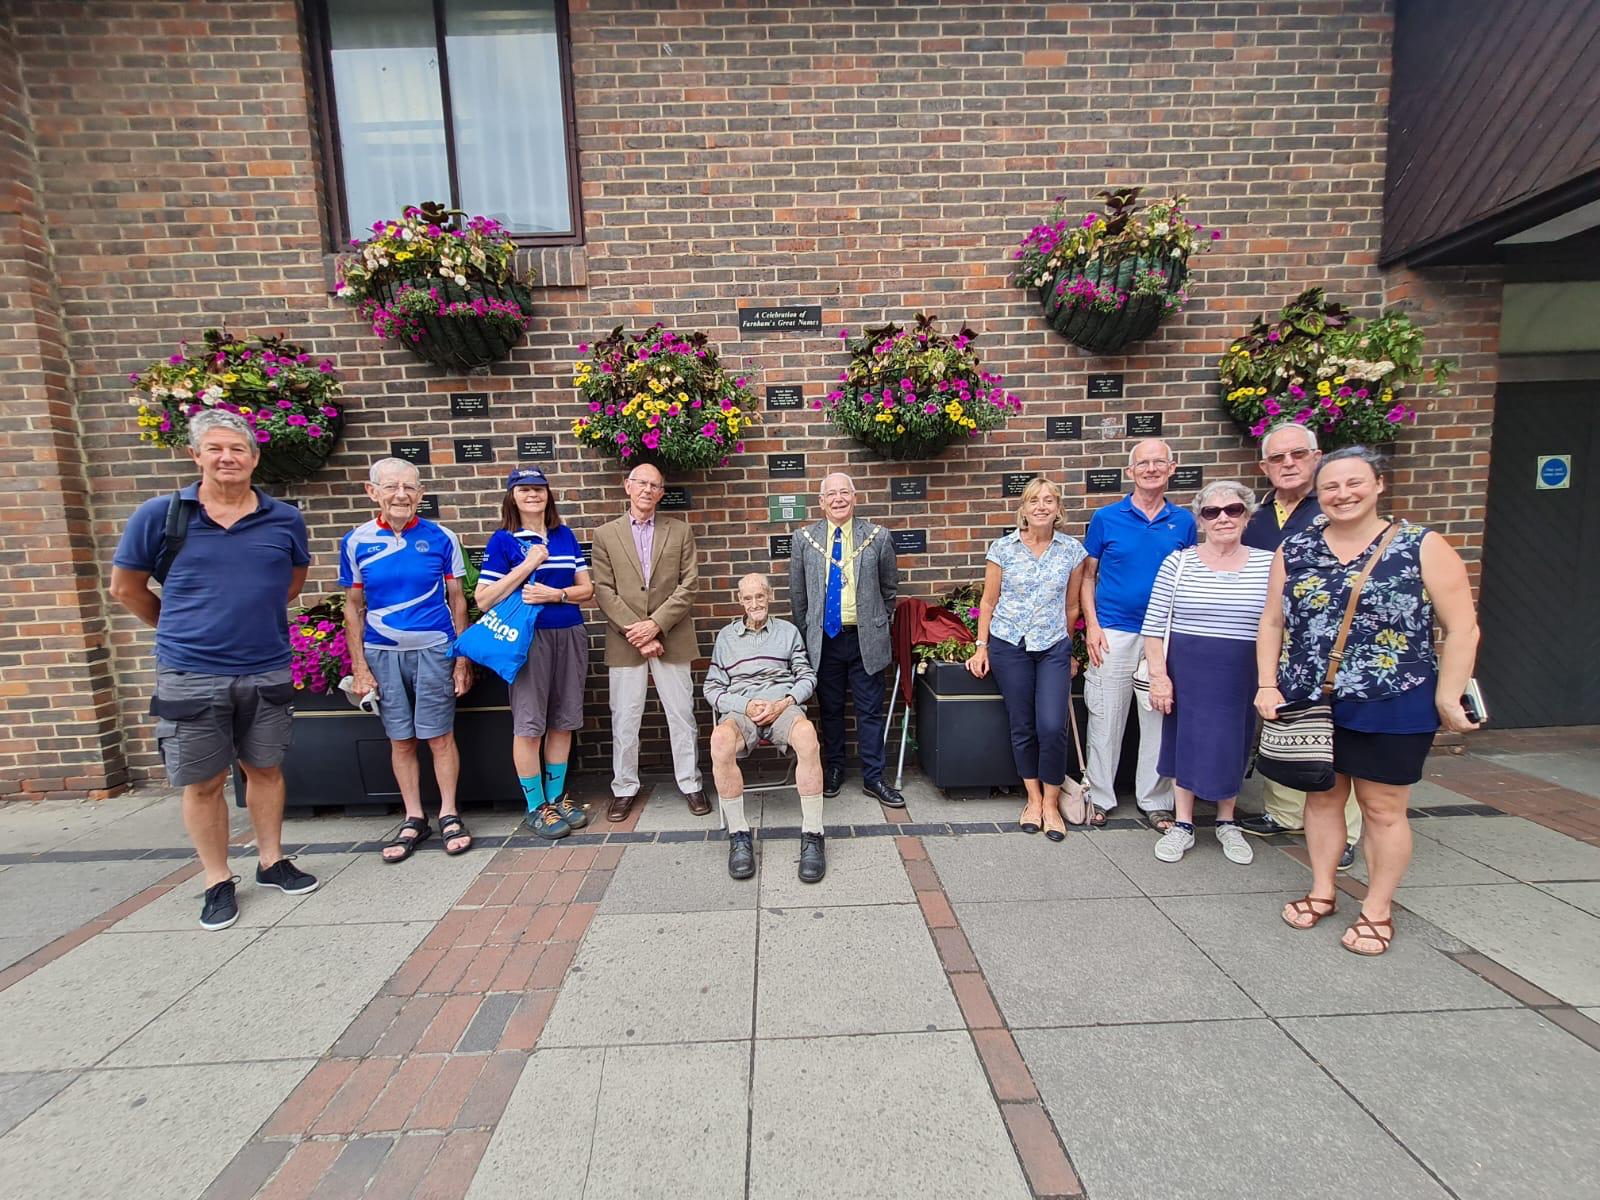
(619, 808)
(698, 804)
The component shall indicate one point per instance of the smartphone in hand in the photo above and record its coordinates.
(1472, 703)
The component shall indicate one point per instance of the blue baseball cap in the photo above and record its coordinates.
(526, 477)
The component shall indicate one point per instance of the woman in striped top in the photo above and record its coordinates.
(1202, 677)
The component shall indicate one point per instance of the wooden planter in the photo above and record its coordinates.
(1108, 332)
(462, 343)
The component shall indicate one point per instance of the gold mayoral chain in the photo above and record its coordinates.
(845, 564)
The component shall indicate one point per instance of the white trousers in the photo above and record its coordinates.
(675, 688)
(1107, 693)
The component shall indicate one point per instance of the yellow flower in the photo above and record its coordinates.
(321, 635)
(657, 386)
(899, 428)
(402, 256)
(230, 377)
(244, 408)
(683, 397)
(1385, 662)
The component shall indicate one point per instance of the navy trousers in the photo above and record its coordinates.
(1037, 687)
(840, 672)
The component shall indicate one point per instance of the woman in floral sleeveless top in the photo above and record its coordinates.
(1391, 693)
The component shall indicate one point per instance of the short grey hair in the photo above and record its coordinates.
(1377, 461)
(1311, 434)
(1162, 442)
(823, 486)
(766, 583)
(385, 465)
(220, 418)
(1232, 486)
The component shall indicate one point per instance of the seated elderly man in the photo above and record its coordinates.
(758, 684)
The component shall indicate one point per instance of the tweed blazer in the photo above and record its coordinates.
(877, 580)
(620, 591)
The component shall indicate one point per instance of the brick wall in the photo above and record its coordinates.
(877, 160)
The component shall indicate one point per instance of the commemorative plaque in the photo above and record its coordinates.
(535, 447)
(416, 452)
(428, 506)
(910, 541)
(1105, 387)
(1063, 429)
(786, 508)
(915, 488)
(786, 395)
(1102, 479)
(469, 404)
(778, 317)
(674, 499)
(786, 466)
(1187, 479)
(474, 450)
(780, 545)
(475, 557)
(1144, 425)
(1015, 481)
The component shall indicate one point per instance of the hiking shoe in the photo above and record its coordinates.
(1174, 844)
(741, 855)
(1234, 845)
(1348, 858)
(221, 908)
(286, 877)
(569, 812)
(548, 823)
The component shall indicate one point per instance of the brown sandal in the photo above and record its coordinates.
(1303, 907)
(1097, 816)
(1365, 927)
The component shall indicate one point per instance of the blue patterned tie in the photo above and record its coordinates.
(833, 603)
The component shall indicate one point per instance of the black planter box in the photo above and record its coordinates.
(340, 755)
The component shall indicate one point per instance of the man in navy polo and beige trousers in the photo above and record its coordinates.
(843, 580)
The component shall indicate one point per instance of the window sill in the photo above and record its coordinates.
(552, 267)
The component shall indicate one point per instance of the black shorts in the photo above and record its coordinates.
(1392, 758)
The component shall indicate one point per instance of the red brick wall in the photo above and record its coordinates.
(875, 160)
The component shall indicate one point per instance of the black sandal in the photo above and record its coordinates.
(418, 826)
(453, 827)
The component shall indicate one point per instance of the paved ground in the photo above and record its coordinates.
(956, 1011)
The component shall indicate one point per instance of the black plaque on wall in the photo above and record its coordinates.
(416, 452)
(535, 447)
(914, 488)
(474, 450)
(469, 404)
(771, 318)
(1015, 481)
(475, 557)
(1105, 387)
(1144, 425)
(428, 506)
(1187, 479)
(1063, 429)
(786, 395)
(910, 541)
(674, 499)
(1102, 479)
(786, 466)
(780, 545)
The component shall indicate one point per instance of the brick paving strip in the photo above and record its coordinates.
(404, 1102)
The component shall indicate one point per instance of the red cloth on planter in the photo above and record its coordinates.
(918, 623)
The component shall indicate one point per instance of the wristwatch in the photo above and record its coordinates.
(563, 595)
(980, 645)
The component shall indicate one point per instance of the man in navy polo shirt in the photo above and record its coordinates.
(1127, 542)
(223, 691)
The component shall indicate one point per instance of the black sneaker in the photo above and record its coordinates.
(1348, 858)
(1261, 825)
(741, 855)
(286, 877)
(221, 908)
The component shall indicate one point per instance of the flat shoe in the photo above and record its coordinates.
(618, 811)
(1032, 816)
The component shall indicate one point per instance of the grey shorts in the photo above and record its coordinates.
(416, 691)
(775, 734)
(548, 693)
(205, 722)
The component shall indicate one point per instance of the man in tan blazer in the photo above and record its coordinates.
(645, 576)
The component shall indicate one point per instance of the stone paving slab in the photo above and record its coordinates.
(157, 1132)
(1427, 794)
(25, 1091)
(927, 803)
(288, 994)
(1015, 866)
(49, 824)
(1518, 848)
(891, 1116)
(1151, 1111)
(665, 808)
(1300, 972)
(684, 1116)
(159, 822)
(422, 888)
(259, 908)
(860, 871)
(41, 901)
(679, 877)
(1095, 962)
(1546, 941)
(656, 978)
(1496, 1103)
(74, 1011)
(1201, 872)
(1575, 769)
(781, 810)
(1433, 863)
(870, 969)
(1580, 895)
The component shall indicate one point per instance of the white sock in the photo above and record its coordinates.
(810, 814)
(733, 814)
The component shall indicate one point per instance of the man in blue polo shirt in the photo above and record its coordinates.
(404, 605)
(223, 691)
(1127, 542)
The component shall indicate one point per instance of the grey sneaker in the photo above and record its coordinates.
(1174, 844)
(1234, 844)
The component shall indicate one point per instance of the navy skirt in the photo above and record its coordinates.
(1205, 739)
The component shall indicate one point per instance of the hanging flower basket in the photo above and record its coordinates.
(288, 399)
(441, 284)
(1111, 278)
(1316, 366)
(909, 393)
(661, 397)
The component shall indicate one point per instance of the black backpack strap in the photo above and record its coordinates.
(177, 529)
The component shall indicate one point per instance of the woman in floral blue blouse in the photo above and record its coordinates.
(1391, 692)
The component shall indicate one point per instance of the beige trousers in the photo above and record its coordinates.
(675, 687)
(1288, 808)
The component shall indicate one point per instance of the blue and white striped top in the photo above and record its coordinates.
(1218, 604)
(506, 549)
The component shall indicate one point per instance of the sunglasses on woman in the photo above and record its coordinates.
(1211, 511)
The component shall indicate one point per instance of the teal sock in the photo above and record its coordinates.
(532, 791)
(555, 781)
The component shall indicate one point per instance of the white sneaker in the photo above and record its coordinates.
(1235, 845)
(1174, 844)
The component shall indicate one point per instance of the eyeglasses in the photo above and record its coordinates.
(645, 485)
(747, 601)
(835, 493)
(1211, 511)
(389, 489)
(1147, 464)
(1299, 455)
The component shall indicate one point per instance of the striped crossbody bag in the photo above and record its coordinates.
(1297, 745)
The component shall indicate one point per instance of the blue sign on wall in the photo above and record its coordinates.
(1555, 471)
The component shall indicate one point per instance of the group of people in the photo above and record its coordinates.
(1180, 621)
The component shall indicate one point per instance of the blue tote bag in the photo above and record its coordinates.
(502, 637)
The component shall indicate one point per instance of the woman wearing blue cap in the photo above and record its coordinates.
(533, 550)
